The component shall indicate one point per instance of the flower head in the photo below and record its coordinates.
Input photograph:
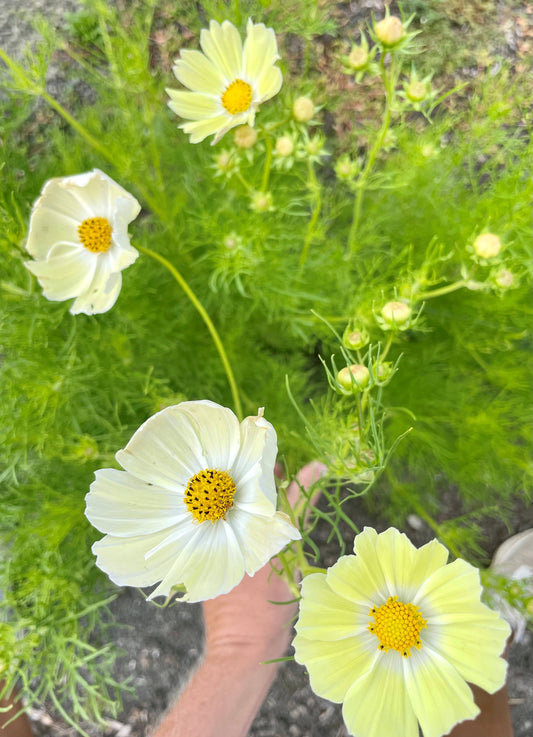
(303, 109)
(228, 81)
(78, 236)
(195, 504)
(394, 633)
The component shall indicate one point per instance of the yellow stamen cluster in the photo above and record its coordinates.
(209, 495)
(237, 97)
(397, 626)
(95, 234)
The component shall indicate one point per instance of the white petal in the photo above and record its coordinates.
(260, 538)
(326, 616)
(222, 46)
(193, 105)
(165, 450)
(218, 431)
(123, 506)
(195, 71)
(378, 703)
(209, 565)
(260, 50)
(101, 294)
(253, 468)
(48, 227)
(438, 694)
(98, 193)
(333, 666)
(66, 275)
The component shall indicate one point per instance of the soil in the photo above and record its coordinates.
(162, 646)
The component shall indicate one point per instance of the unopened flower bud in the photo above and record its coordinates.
(284, 146)
(355, 339)
(487, 245)
(389, 30)
(303, 109)
(416, 91)
(245, 136)
(354, 377)
(231, 241)
(504, 278)
(358, 58)
(225, 162)
(261, 201)
(382, 371)
(346, 168)
(314, 146)
(396, 314)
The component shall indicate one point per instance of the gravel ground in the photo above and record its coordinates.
(160, 646)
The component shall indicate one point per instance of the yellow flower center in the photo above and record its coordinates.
(95, 234)
(209, 495)
(237, 97)
(397, 626)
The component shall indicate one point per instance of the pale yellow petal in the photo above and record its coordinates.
(193, 105)
(268, 84)
(427, 560)
(223, 47)
(396, 556)
(324, 615)
(260, 50)
(449, 590)
(200, 129)
(195, 71)
(333, 666)
(378, 704)
(353, 580)
(439, 695)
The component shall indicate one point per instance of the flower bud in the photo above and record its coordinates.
(261, 201)
(389, 30)
(487, 245)
(504, 278)
(358, 58)
(382, 371)
(314, 146)
(225, 162)
(284, 146)
(303, 109)
(416, 91)
(354, 377)
(346, 168)
(245, 136)
(396, 314)
(355, 339)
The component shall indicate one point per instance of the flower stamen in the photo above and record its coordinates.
(397, 626)
(209, 495)
(237, 97)
(95, 234)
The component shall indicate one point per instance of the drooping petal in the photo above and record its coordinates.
(378, 703)
(324, 615)
(123, 506)
(223, 47)
(165, 450)
(259, 537)
(195, 71)
(439, 696)
(193, 105)
(253, 468)
(101, 294)
(64, 275)
(333, 666)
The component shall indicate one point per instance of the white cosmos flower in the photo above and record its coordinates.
(195, 505)
(394, 633)
(78, 236)
(228, 81)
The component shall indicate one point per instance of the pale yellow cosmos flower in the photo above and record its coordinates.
(195, 504)
(394, 633)
(228, 81)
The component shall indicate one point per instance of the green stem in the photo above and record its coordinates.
(387, 347)
(208, 322)
(443, 290)
(268, 164)
(378, 143)
(315, 189)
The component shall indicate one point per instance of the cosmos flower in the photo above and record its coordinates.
(394, 633)
(228, 81)
(195, 505)
(78, 236)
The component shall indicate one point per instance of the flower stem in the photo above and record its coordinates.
(315, 190)
(208, 322)
(443, 290)
(268, 164)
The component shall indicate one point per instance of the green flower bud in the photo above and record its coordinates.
(487, 245)
(353, 378)
(284, 146)
(358, 58)
(389, 31)
(355, 339)
(504, 279)
(416, 91)
(261, 201)
(396, 314)
(303, 109)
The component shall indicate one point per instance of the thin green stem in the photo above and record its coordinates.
(314, 187)
(387, 346)
(208, 322)
(444, 290)
(378, 143)
(268, 164)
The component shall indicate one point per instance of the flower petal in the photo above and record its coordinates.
(48, 227)
(193, 105)
(200, 129)
(101, 294)
(218, 431)
(123, 506)
(396, 555)
(65, 275)
(259, 537)
(378, 703)
(448, 590)
(222, 46)
(438, 694)
(165, 450)
(268, 84)
(333, 666)
(260, 50)
(195, 71)
(324, 615)
(350, 578)
(253, 468)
